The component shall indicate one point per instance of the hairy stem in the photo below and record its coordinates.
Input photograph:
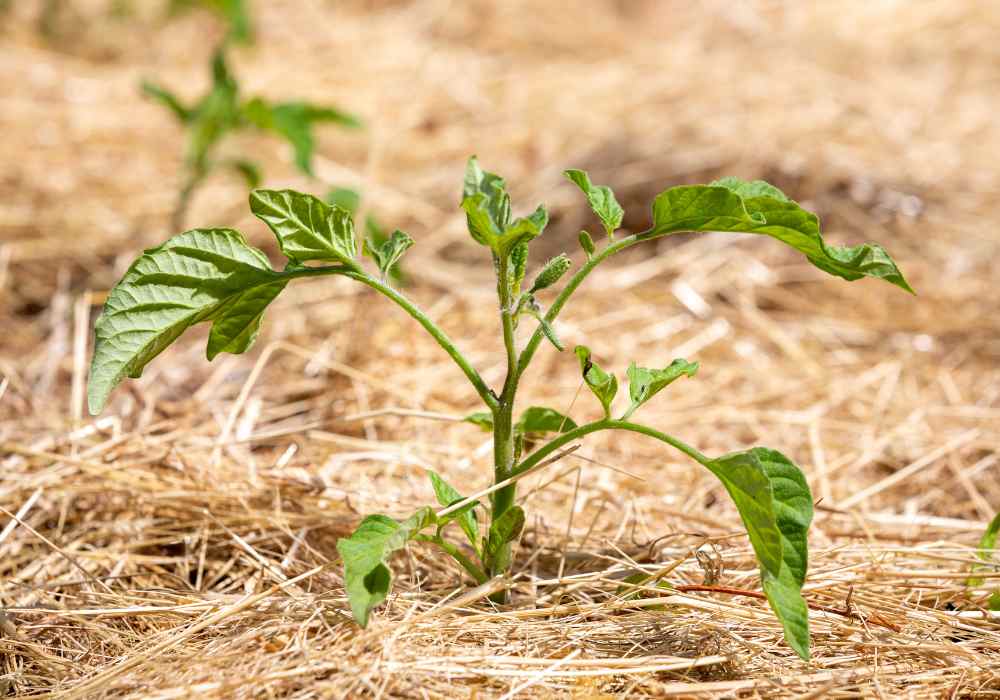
(503, 425)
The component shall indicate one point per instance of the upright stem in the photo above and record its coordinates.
(503, 423)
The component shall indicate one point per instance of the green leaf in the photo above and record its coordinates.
(487, 212)
(587, 243)
(483, 419)
(389, 253)
(775, 504)
(757, 207)
(294, 121)
(645, 383)
(344, 197)
(367, 577)
(167, 99)
(215, 115)
(603, 385)
(519, 264)
(466, 517)
(549, 332)
(504, 529)
(602, 201)
(248, 169)
(306, 228)
(539, 419)
(200, 275)
(553, 270)
(987, 547)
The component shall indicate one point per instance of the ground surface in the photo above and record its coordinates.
(183, 543)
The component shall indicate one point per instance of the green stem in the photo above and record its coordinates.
(575, 281)
(606, 424)
(359, 275)
(458, 555)
(498, 562)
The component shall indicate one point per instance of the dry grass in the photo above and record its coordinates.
(183, 544)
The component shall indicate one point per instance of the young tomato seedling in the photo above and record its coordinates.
(221, 112)
(214, 275)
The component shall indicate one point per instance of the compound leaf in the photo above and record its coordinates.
(200, 275)
(367, 577)
(603, 385)
(645, 383)
(602, 200)
(733, 205)
(540, 419)
(775, 504)
(466, 516)
(306, 227)
(389, 252)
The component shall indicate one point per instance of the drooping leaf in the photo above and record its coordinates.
(645, 383)
(504, 529)
(167, 99)
(603, 385)
(540, 419)
(389, 253)
(553, 270)
(602, 200)
(367, 577)
(987, 548)
(733, 205)
(200, 275)
(294, 121)
(550, 333)
(483, 419)
(775, 504)
(466, 517)
(306, 227)
(487, 212)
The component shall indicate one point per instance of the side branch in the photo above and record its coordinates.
(446, 343)
(606, 424)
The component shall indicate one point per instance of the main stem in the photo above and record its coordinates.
(498, 562)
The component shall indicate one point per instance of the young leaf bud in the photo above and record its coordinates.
(550, 274)
(587, 243)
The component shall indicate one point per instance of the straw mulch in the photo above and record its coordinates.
(183, 543)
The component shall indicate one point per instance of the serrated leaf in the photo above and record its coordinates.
(389, 252)
(306, 227)
(644, 383)
(603, 385)
(483, 419)
(367, 577)
(200, 275)
(602, 200)
(775, 504)
(736, 206)
(466, 517)
(504, 529)
(487, 212)
(167, 99)
(540, 419)
(987, 546)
